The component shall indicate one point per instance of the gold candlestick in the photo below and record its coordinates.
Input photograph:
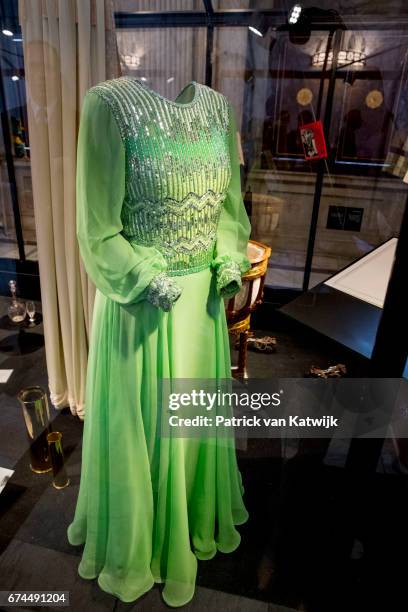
(61, 479)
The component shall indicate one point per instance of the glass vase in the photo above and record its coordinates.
(17, 308)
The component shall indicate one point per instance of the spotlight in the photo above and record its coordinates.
(259, 25)
(300, 22)
(7, 33)
(295, 13)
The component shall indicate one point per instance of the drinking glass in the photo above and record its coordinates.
(31, 311)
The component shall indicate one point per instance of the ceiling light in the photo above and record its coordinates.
(15, 77)
(8, 33)
(295, 13)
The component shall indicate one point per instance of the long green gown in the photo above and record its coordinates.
(162, 232)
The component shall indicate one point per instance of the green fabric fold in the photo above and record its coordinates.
(234, 227)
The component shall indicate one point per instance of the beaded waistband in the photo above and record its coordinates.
(184, 231)
(192, 270)
(183, 263)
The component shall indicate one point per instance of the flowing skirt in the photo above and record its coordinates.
(149, 506)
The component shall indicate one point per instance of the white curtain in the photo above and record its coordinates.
(69, 45)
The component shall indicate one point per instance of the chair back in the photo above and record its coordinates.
(246, 300)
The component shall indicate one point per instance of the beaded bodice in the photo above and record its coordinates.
(177, 169)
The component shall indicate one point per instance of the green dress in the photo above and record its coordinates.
(162, 232)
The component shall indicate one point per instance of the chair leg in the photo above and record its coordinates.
(242, 353)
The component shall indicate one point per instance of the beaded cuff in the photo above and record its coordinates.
(163, 291)
(228, 279)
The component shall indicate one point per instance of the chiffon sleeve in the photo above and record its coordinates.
(230, 257)
(124, 272)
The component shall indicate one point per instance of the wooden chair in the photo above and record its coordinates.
(240, 307)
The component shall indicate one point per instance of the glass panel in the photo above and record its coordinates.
(13, 87)
(274, 89)
(351, 7)
(363, 198)
(157, 6)
(165, 58)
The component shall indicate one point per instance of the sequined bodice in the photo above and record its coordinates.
(177, 169)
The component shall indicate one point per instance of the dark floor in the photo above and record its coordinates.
(321, 538)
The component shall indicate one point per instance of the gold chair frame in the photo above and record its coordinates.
(239, 319)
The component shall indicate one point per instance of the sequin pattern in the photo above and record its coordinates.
(177, 169)
(229, 279)
(163, 291)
